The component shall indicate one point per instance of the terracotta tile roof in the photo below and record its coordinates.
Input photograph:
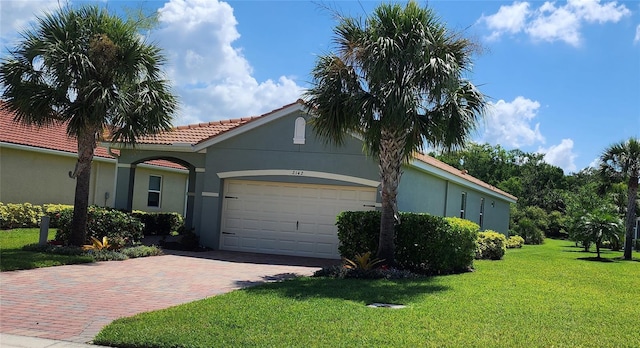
(53, 137)
(461, 174)
(197, 133)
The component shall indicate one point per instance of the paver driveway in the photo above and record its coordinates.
(72, 303)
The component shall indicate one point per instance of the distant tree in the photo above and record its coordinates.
(93, 72)
(525, 175)
(529, 223)
(622, 161)
(397, 80)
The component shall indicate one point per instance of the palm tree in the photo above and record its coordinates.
(93, 72)
(622, 161)
(600, 225)
(397, 82)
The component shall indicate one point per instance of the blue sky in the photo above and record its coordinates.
(563, 77)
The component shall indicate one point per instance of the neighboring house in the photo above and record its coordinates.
(268, 184)
(35, 165)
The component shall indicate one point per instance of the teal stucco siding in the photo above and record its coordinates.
(265, 150)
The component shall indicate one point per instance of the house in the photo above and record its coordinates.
(268, 184)
(35, 165)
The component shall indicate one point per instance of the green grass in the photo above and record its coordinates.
(12, 257)
(538, 296)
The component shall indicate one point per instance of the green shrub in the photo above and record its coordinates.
(119, 227)
(514, 242)
(161, 224)
(141, 251)
(425, 243)
(358, 232)
(430, 244)
(528, 230)
(491, 245)
(53, 211)
(463, 224)
(25, 215)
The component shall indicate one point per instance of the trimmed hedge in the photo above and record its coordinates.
(27, 215)
(425, 243)
(161, 224)
(23, 215)
(491, 245)
(119, 227)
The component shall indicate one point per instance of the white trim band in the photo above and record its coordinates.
(302, 173)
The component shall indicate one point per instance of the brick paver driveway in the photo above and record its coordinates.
(72, 303)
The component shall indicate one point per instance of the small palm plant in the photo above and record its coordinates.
(96, 244)
(362, 262)
(599, 226)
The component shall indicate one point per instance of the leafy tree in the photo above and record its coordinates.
(91, 71)
(529, 223)
(522, 174)
(397, 80)
(622, 161)
(491, 164)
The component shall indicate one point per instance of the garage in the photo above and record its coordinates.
(287, 218)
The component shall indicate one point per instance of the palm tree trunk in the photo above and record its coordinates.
(82, 173)
(631, 216)
(391, 156)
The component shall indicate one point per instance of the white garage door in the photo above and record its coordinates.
(287, 219)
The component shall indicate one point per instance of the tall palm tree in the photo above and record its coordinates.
(397, 81)
(621, 161)
(93, 72)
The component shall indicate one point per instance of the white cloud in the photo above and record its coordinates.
(593, 11)
(560, 155)
(595, 163)
(510, 123)
(637, 38)
(212, 76)
(509, 19)
(553, 23)
(16, 15)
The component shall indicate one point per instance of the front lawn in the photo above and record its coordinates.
(12, 257)
(538, 296)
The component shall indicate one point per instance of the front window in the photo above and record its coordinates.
(155, 188)
(481, 213)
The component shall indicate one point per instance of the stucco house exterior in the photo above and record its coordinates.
(35, 162)
(268, 184)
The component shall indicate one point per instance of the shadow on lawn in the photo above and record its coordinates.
(596, 259)
(359, 290)
(603, 259)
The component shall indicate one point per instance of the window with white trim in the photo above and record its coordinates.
(155, 190)
(463, 205)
